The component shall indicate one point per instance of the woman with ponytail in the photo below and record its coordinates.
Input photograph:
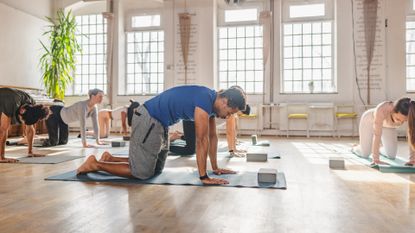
(378, 126)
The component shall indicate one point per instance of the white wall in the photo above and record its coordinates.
(22, 26)
(394, 11)
(38, 8)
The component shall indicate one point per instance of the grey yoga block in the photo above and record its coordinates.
(267, 175)
(117, 144)
(336, 163)
(256, 156)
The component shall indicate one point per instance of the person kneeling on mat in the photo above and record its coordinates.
(18, 107)
(57, 123)
(379, 125)
(149, 136)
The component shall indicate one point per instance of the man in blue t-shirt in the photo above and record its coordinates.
(149, 136)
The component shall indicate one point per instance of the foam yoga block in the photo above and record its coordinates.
(117, 144)
(256, 155)
(336, 163)
(267, 175)
(126, 138)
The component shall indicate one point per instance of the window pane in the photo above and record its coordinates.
(308, 57)
(241, 15)
(145, 21)
(240, 62)
(410, 55)
(90, 66)
(146, 56)
(309, 10)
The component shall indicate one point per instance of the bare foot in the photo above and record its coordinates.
(7, 160)
(90, 165)
(106, 157)
(410, 163)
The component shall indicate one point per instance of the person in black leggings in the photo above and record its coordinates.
(189, 136)
(57, 129)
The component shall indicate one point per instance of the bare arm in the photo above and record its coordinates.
(4, 127)
(202, 141)
(213, 143)
(231, 132)
(213, 148)
(202, 127)
(30, 133)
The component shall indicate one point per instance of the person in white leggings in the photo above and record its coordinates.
(378, 126)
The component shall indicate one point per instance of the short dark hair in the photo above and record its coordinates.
(94, 91)
(236, 97)
(34, 113)
(247, 110)
(402, 106)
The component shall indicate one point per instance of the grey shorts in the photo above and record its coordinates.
(148, 145)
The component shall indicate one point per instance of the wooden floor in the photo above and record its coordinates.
(358, 199)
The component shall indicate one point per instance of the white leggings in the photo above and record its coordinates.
(389, 137)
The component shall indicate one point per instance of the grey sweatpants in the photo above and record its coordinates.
(148, 145)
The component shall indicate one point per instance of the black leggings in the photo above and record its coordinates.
(58, 131)
(189, 136)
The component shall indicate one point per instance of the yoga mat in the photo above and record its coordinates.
(51, 159)
(175, 177)
(396, 165)
(263, 143)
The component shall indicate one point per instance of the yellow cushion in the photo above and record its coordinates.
(298, 116)
(346, 114)
(248, 116)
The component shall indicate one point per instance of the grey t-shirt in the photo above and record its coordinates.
(11, 100)
(79, 112)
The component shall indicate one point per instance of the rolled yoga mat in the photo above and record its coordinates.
(176, 177)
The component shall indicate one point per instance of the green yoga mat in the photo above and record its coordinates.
(396, 165)
(175, 177)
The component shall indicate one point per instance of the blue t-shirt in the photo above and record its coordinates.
(179, 103)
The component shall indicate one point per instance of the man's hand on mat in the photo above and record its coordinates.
(221, 171)
(214, 181)
(8, 160)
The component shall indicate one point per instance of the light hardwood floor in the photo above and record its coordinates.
(318, 199)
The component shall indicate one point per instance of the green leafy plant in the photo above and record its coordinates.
(58, 61)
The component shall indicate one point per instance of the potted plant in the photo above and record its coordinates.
(311, 86)
(58, 61)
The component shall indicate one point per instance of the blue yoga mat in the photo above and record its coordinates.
(175, 177)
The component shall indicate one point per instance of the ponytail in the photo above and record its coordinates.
(411, 124)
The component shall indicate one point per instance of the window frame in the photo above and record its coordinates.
(128, 20)
(328, 17)
(410, 17)
(259, 6)
(72, 89)
(247, 5)
(130, 29)
(285, 9)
